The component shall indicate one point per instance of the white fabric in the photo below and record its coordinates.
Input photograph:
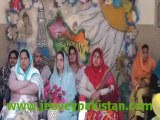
(86, 88)
(107, 90)
(79, 74)
(46, 73)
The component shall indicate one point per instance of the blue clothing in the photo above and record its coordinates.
(157, 70)
(117, 3)
(67, 83)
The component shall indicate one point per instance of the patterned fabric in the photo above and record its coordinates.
(23, 115)
(4, 89)
(102, 115)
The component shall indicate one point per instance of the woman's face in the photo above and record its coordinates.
(96, 59)
(72, 56)
(145, 54)
(38, 58)
(24, 61)
(60, 62)
(12, 59)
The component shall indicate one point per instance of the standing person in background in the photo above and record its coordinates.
(5, 92)
(142, 69)
(44, 71)
(40, 65)
(76, 64)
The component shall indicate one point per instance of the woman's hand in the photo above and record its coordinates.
(136, 90)
(17, 92)
(77, 81)
(137, 87)
(111, 88)
(95, 95)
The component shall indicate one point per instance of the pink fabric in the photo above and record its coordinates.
(23, 87)
(14, 84)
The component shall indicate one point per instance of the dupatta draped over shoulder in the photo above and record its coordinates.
(66, 81)
(101, 78)
(32, 74)
(141, 70)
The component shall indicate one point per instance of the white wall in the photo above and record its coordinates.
(3, 7)
(146, 10)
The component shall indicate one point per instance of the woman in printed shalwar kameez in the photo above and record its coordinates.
(142, 69)
(5, 92)
(40, 65)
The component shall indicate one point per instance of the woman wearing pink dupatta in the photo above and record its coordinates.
(76, 64)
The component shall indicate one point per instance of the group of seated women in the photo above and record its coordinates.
(24, 78)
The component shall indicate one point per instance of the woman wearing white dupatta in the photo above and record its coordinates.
(63, 77)
(25, 82)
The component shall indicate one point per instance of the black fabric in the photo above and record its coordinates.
(139, 118)
(154, 89)
(1, 103)
(154, 84)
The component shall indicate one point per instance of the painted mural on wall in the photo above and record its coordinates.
(63, 37)
(54, 25)
(100, 22)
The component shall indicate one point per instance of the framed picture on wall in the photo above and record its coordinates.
(157, 14)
